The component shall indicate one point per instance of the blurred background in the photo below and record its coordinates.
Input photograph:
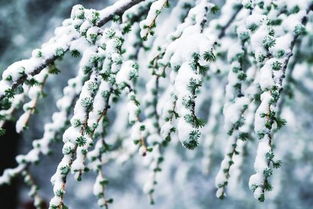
(26, 24)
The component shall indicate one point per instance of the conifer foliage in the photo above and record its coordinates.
(156, 72)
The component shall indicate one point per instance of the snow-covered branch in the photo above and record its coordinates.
(145, 81)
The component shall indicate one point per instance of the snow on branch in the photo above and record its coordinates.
(147, 81)
(55, 48)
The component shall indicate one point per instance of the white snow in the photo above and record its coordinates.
(154, 11)
(266, 75)
(259, 123)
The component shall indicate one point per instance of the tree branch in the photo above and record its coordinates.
(106, 15)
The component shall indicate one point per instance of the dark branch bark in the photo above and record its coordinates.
(224, 28)
(119, 11)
